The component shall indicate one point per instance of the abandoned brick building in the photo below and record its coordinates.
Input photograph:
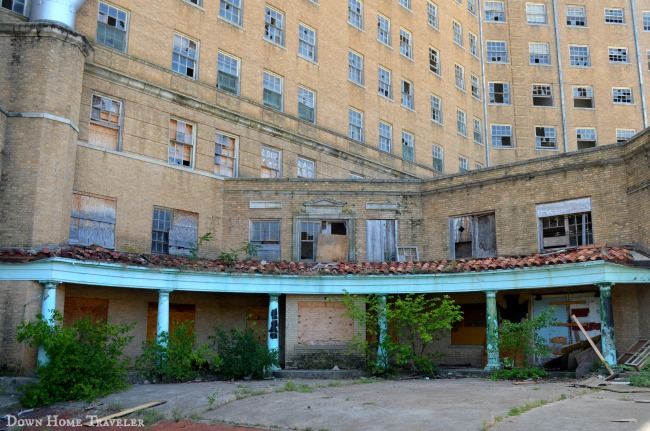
(129, 129)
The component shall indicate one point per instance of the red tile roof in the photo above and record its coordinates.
(103, 255)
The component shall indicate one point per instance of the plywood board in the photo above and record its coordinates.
(332, 248)
(322, 324)
(178, 313)
(78, 308)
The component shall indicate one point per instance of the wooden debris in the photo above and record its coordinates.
(637, 354)
(624, 420)
(612, 374)
(98, 421)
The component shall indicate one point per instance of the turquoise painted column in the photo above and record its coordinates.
(492, 331)
(47, 311)
(607, 323)
(382, 356)
(162, 323)
(273, 328)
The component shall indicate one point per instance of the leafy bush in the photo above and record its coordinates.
(522, 338)
(86, 361)
(519, 374)
(171, 357)
(241, 354)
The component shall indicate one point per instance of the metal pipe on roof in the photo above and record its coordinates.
(59, 11)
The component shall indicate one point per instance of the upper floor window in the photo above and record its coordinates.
(105, 122)
(478, 131)
(473, 235)
(583, 97)
(355, 13)
(225, 155)
(432, 14)
(501, 135)
(438, 159)
(614, 16)
(405, 43)
(536, 13)
(473, 44)
(355, 125)
(576, 16)
(185, 56)
(623, 135)
(199, 3)
(499, 93)
(434, 61)
(306, 105)
(173, 231)
(585, 137)
(476, 88)
(181, 143)
(17, 6)
(227, 73)
(271, 166)
(307, 42)
(355, 67)
(579, 56)
(545, 137)
(274, 26)
(92, 220)
(112, 26)
(621, 95)
(385, 83)
(266, 235)
(383, 30)
(539, 53)
(407, 94)
(495, 11)
(461, 122)
(436, 109)
(565, 224)
(496, 51)
(385, 137)
(542, 95)
(405, 3)
(231, 11)
(463, 164)
(471, 6)
(272, 96)
(618, 55)
(306, 168)
(408, 146)
(459, 72)
(646, 20)
(458, 32)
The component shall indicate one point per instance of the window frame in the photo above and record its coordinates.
(384, 82)
(434, 61)
(543, 95)
(461, 122)
(355, 125)
(623, 94)
(408, 146)
(230, 155)
(578, 16)
(432, 15)
(178, 56)
(501, 127)
(355, 68)
(117, 126)
(475, 86)
(273, 167)
(463, 164)
(436, 111)
(113, 28)
(477, 127)
(407, 92)
(267, 92)
(356, 14)
(579, 59)
(459, 76)
(586, 135)
(383, 30)
(385, 140)
(504, 93)
(171, 159)
(539, 57)
(473, 44)
(438, 153)
(530, 14)
(301, 99)
(221, 71)
(274, 26)
(267, 244)
(494, 14)
(589, 95)
(623, 135)
(457, 31)
(309, 166)
(612, 16)
(496, 51)
(405, 43)
(23, 11)
(560, 213)
(234, 5)
(310, 45)
(100, 220)
(545, 138)
(618, 55)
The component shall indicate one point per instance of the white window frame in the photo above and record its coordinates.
(588, 135)
(355, 67)
(475, 86)
(618, 55)
(496, 51)
(225, 65)
(504, 93)
(408, 146)
(495, 12)
(461, 122)
(645, 20)
(434, 61)
(579, 56)
(180, 140)
(185, 53)
(471, 7)
(576, 16)
(274, 26)
(436, 109)
(355, 125)
(457, 29)
(432, 15)
(112, 21)
(536, 14)
(622, 96)
(473, 44)
(463, 164)
(583, 92)
(307, 98)
(385, 137)
(307, 42)
(271, 163)
(405, 43)
(273, 85)
(438, 159)
(355, 13)
(623, 135)
(383, 30)
(231, 11)
(408, 99)
(498, 130)
(226, 152)
(545, 138)
(478, 131)
(19, 6)
(614, 16)
(539, 54)
(385, 83)
(459, 74)
(542, 95)
(406, 4)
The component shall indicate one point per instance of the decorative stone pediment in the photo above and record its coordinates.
(324, 207)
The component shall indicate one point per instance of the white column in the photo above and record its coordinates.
(273, 328)
(47, 311)
(382, 356)
(162, 324)
(493, 362)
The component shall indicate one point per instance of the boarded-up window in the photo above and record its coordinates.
(473, 236)
(92, 220)
(105, 122)
(470, 330)
(257, 319)
(79, 308)
(324, 241)
(266, 235)
(322, 324)
(381, 240)
(173, 231)
(178, 313)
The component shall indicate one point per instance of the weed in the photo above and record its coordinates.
(211, 399)
(195, 416)
(177, 414)
(642, 379)
(519, 374)
(290, 386)
(114, 407)
(150, 416)
(563, 397)
(334, 384)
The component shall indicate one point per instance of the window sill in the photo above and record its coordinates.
(309, 60)
(239, 26)
(276, 45)
(194, 5)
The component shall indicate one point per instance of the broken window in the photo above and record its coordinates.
(473, 236)
(496, 51)
(173, 231)
(579, 56)
(230, 10)
(405, 43)
(408, 253)
(436, 109)
(381, 240)
(618, 55)
(324, 241)
(623, 135)
(355, 13)
(545, 137)
(434, 61)
(459, 72)
(105, 122)
(181, 143)
(306, 105)
(565, 224)
(306, 42)
(306, 168)
(271, 163)
(495, 11)
(408, 146)
(407, 94)
(92, 220)
(539, 53)
(385, 83)
(621, 95)
(184, 56)
(111, 26)
(576, 16)
(585, 138)
(501, 135)
(383, 29)
(583, 97)
(266, 235)
(499, 93)
(225, 155)
(17, 6)
(614, 16)
(274, 26)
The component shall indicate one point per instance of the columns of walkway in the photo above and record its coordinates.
(48, 307)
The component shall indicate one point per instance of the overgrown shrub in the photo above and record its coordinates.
(521, 339)
(519, 374)
(241, 354)
(171, 357)
(86, 360)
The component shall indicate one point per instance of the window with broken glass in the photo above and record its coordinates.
(473, 236)
(307, 42)
(274, 26)
(545, 137)
(495, 11)
(173, 231)
(225, 155)
(105, 122)
(576, 16)
(623, 135)
(355, 13)
(185, 56)
(585, 138)
(436, 109)
(408, 146)
(434, 61)
(383, 29)
(542, 95)
(385, 137)
(583, 97)
(407, 94)
(499, 93)
(621, 95)
(111, 26)
(614, 16)
(618, 55)
(475, 86)
(181, 143)
(306, 105)
(231, 11)
(271, 163)
(405, 43)
(385, 83)
(266, 235)
(539, 54)
(568, 230)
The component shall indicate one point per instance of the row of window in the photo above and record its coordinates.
(542, 94)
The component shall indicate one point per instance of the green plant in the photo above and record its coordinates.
(194, 251)
(519, 374)
(240, 353)
(86, 360)
(521, 339)
(173, 358)
(211, 399)
(150, 416)
(642, 379)
(249, 249)
(177, 414)
(413, 323)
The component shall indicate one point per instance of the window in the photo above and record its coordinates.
(476, 88)
(495, 11)
(460, 76)
(473, 44)
(355, 125)
(274, 26)
(272, 95)
(231, 11)
(545, 138)
(434, 61)
(478, 132)
(438, 160)
(405, 3)
(407, 253)
(542, 95)
(585, 138)
(478, 166)
(463, 164)
(225, 155)
(565, 224)
(646, 21)
(405, 43)
(111, 26)
(355, 13)
(579, 56)
(323, 240)
(383, 30)
(539, 54)
(618, 55)
(576, 16)
(436, 109)
(306, 168)
(354, 176)
(458, 33)
(105, 122)
(621, 95)
(535, 13)
(583, 97)
(271, 166)
(408, 146)
(432, 14)
(623, 135)
(185, 56)
(614, 16)
(499, 93)
(306, 42)
(266, 235)
(461, 122)
(381, 240)
(497, 51)
(355, 67)
(173, 231)
(385, 137)
(473, 236)
(306, 105)
(181, 143)
(92, 220)
(501, 135)
(385, 83)
(17, 6)
(471, 6)
(407, 94)
(228, 73)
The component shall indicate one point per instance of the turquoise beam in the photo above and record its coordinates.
(162, 323)
(47, 311)
(607, 323)
(382, 356)
(273, 328)
(493, 362)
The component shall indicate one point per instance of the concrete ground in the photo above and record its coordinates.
(364, 404)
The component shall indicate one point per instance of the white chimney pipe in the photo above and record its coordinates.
(60, 11)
